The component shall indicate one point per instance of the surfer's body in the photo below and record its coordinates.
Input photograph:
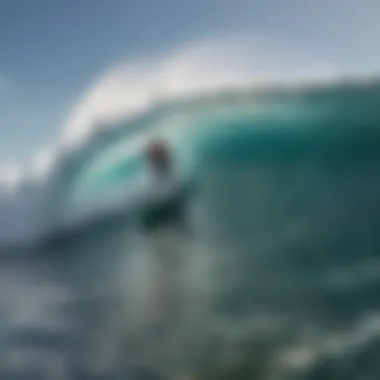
(164, 255)
(164, 224)
(166, 204)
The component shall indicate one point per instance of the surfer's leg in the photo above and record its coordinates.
(167, 248)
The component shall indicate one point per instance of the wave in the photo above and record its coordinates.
(99, 172)
(188, 98)
(291, 214)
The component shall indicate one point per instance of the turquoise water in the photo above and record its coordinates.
(283, 259)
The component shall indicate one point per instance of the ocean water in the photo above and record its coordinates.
(278, 279)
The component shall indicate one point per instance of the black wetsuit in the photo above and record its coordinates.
(171, 211)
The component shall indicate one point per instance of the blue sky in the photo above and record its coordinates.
(50, 50)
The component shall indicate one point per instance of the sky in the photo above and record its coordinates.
(51, 51)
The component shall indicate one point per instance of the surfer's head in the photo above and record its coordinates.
(159, 157)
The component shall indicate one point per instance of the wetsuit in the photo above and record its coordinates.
(170, 210)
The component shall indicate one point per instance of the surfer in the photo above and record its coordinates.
(164, 224)
(168, 200)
